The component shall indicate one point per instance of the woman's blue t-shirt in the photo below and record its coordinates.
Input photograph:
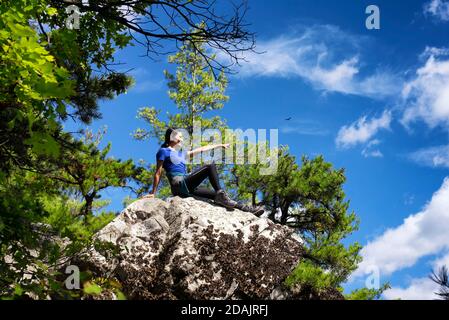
(174, 161)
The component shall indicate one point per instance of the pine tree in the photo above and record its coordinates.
(308, 197)
(442, 279)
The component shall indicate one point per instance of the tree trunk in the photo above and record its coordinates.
(284, 209)
(87, 209)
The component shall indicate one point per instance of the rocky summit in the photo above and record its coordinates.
(191, 249)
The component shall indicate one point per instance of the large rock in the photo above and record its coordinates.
(191, 249)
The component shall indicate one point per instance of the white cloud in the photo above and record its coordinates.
(433, 51)
(144, 81)
(322, 55)
(438, 9)
(419, 289)
(304, 127)
(371, 150)
(426, 97)
(432, 157)
(409, 199)
(147, 86)
(362, 131)
(138, 72)
(441, 261)
(422, 234)
(127, 12)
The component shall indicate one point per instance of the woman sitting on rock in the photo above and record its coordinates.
(185, 185)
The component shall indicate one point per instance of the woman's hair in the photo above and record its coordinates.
(167, 138)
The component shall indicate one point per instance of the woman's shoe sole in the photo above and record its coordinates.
(225, 206)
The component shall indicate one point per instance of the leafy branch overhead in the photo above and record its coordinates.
(153, 23)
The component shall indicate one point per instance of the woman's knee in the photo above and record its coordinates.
(207, 167)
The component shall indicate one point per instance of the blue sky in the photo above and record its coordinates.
(375, 102)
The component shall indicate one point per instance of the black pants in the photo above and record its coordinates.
(194, 179)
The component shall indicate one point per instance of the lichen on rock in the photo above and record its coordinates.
(191, 249)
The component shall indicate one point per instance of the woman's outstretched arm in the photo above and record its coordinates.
(207, 148)
(157, 178)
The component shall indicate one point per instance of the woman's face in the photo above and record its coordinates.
(178, 138)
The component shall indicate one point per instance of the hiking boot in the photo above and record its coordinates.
(223, 199)
(256, 210)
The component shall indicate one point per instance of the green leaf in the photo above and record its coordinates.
(92, 288)
(61, 108)
(18, 291)
(52, 11)
(43, 144)
(24, 73)
(120, 295)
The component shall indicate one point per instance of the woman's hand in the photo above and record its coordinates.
(226, 145)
